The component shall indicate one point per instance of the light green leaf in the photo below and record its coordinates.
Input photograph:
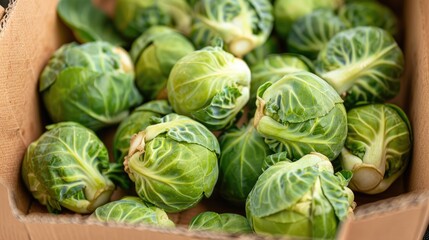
(132, 210)
(225, 222)
(65, 168)
(363, 64)
(280, 187)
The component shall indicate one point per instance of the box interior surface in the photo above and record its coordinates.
(28, 40)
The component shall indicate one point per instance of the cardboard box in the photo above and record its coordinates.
(30, 31)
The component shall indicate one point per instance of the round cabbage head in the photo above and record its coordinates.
(300, 114)
(377, 148)
(92, 84)
(302, 199)
(68, 167)
(210, 86)
(173, 162)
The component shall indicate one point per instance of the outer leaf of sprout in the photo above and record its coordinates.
(299, 199)
(363, 64)
(377, 147)
(173, 163)
(65, 168)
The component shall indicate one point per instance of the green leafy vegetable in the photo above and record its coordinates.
(209, 85)
(300, 114)
(363, 64)
(225, 222)
(286, 12)
(66, 167)
(377, 147)
(134, 17)
(242, 24)
(272, 68)
(132, 210)
(369, 13)
(311, 33)
(242, 153)
(300, 199)
(154, 53)
(173, 162)
(88, 23)
(92, 84)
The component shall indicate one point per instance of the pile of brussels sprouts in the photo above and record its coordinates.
(279, 106)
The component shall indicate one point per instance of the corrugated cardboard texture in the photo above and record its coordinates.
(31, 31)
(28, 39)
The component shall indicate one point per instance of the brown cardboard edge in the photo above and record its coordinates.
(2, 10)
(5, 15)
(35, 224)
(404, 217)
(16, 225)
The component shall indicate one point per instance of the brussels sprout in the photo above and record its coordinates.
(311, 33)
(154, 54)
(92, 84)
(173, 163)
(300, 199)
(242, 153)
(88, 23)
(134, 211)
(273, 68)
(67, 167)
(242, 24)
(133, 17)
(377, 147)
(181, 13)
(272, 159)
(225, 222)
(209, 85)
(138, 120)
(369, 14)
(300, 114)
(363, 64)
(286, 12)
(260, 53)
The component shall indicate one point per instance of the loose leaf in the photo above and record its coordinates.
(88, 23)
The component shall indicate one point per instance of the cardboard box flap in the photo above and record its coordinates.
(4, 13)
(27, 42)
(403, 217)
(417, 75)
(1, 12)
